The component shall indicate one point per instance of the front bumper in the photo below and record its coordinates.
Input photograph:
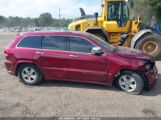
(152, 77)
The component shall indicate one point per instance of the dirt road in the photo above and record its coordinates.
(57, 99)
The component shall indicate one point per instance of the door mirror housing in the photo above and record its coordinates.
(97, 51)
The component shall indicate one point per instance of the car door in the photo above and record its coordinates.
(53, 57)
(83, 65)
(26, 47)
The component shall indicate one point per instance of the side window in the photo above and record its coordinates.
(30, 42)
(54, 43)
(125, 13)
(80, 45)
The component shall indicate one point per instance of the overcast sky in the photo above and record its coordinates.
(33, 8)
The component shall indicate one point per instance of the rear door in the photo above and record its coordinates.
(53, 57)
(26, 47)
(85, 66)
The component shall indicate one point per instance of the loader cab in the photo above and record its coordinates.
(118, 11)
(116, 16)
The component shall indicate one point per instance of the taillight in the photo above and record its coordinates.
(6, 52)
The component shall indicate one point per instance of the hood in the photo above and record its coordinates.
(132, 53)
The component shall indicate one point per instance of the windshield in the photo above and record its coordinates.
(102, 43)
(118, 11)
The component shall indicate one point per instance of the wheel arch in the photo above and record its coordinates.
(137, 37)
(128, 70)
(20, 63)
(97, 30)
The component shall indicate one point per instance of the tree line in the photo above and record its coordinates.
(44, 20)
(147, 9)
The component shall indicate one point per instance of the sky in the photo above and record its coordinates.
(33, 8)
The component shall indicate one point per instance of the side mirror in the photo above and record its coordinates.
(97, 51)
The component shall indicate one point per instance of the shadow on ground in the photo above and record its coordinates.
(152, 92)
(76, 85)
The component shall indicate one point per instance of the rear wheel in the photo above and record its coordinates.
(29, 74)
(130, 82)
(150, 44)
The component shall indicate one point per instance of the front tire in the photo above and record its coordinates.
(30, 75)
(130, 82)
(150, 44)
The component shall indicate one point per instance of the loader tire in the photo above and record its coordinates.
(151, 44)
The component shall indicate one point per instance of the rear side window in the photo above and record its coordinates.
(80, 45)
(30, 42)
(54, 43)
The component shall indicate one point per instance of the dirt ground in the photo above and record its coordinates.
(57, 99)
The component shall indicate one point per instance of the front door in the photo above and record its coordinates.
(83, 65)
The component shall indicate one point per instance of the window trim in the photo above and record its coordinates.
(26, 37)
(88, 41)
(68, 44)
(83, 39)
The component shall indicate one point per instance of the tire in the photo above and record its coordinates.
(151, 44)
(131, 82)
(30, 75)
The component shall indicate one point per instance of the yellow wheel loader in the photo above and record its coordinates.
(115, 27)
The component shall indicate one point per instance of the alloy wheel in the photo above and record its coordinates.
(127, 83)
(29, 75)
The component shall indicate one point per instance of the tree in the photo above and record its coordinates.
(45, 19)
(142, 8)
(27, 22)
(13, 21)
(36, 21)
(147, 8)
(2, 20)
(156, 6)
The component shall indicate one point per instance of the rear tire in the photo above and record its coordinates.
(150, 44)
(130, 82)
(30, 75)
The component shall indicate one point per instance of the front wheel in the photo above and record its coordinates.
(130, 82)
(150, 44)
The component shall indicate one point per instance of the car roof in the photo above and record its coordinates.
(60, 33)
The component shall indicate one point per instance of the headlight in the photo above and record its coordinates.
(148, 66)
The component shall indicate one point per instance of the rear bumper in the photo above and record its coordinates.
(9, 67)
(152, 77)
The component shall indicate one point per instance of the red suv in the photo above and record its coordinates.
(78, 57)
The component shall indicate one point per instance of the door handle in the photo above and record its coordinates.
(39, 53)
(73, 56)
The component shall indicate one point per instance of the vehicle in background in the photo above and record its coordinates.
(78, 57)
(116, 27)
